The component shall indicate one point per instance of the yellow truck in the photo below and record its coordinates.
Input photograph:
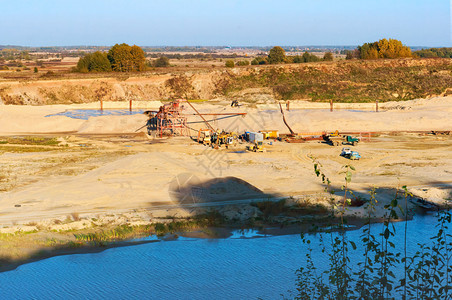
(205, 136)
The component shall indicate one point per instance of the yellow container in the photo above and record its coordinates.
(270, 134)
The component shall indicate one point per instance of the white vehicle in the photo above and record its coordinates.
(346, 152)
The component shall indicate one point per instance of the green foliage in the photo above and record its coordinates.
(426, 274)
(384, 49)
(359, 81)
(229, 63)
(259, 61)
(434, 52)
(35, 70)
(243, 63)
(124, 58)
(328, 56)
(161, 62)
(94, 62)
(102, 238)
(277, 55)
(308, 57)
(351, 54)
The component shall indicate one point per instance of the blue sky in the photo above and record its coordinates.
(234, 23)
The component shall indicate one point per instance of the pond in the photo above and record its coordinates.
(244, 266)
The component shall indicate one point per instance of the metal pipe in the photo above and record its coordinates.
(284, 119)
(205, 121)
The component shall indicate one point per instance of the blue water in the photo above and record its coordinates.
(239, 267)
(85, 114)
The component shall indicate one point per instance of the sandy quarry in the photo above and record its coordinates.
(103, 167)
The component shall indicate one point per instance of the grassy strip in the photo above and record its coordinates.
(30, 140)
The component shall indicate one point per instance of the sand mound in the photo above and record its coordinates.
(188, 189)
(441, 196)
(422, 115)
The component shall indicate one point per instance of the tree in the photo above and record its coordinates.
(435, 52)
(35, 70)
(99, 62)
(352, 54)
(307, 57)
(297, 59)
(138, 58)
(160, 62)
(259, 61)
(230, 63)
(328, 56)
(243, 63)
(124, 58)
(94, 62)
(384, 49)
(276, 55)
(120, 58)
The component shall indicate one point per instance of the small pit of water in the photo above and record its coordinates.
(85, 114)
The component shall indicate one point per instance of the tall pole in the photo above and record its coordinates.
(376, 106)
(205, 121)
(331, 104)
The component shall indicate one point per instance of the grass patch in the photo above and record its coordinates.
(30, 140)
(354, 81)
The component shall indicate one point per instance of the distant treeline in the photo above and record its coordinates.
(435, 52)
(277, 55)
(12, 54)
(194, 55)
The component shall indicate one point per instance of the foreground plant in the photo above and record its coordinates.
(426, 275)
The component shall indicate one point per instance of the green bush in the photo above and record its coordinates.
(426, 273)
(328, 56)
(259, 61)
(243, 63)
(276, 55)
(229, 63)
(161, 62)
(94, 62)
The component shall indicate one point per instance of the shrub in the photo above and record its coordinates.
(229, 63)
(161, 62)
(276, 55)
(307, 57)
(243, 63)
(426, 273)
(94, 62)
(259, 61)
(328, 56)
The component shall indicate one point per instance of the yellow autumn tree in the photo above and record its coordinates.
(384, 48)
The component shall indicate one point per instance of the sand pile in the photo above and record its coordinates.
(441, 196)
(422, 115)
